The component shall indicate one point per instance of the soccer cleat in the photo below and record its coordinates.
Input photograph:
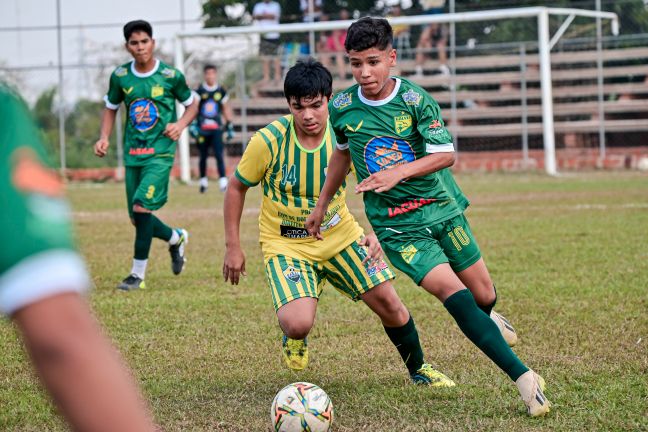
(203, 188)
(295, 353)
(508, 332)
(427, 375)
(177, 252)
(132, 282)
(531, 387)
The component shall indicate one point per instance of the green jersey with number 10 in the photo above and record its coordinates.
(402, 128)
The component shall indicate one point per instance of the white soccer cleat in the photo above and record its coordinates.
(508, 332)
(531, 387)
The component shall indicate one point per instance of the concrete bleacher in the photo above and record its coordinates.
(490, 89)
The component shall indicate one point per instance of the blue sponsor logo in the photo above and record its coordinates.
(382, 153)
(144, 114)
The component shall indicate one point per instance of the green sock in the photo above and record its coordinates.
(160, 229)
(483, 332)
(407, 343)
(143, 234)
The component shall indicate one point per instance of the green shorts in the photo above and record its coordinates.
(292, 277)
(147, 185)
(416, 253)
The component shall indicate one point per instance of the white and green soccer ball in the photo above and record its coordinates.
(301, 407)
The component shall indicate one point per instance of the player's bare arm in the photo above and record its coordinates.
(383, 181)
(336, 172)
(173, 130)
(234, 263)
(107, 122)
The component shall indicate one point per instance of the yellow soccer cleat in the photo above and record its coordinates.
(295, 353)
(508, 332)
(427, 375)
(531, 387)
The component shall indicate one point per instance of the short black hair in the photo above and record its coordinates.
(368, 33)
(209, 66)
(308, 78)
(137, 26)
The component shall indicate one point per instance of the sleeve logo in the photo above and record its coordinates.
(411, 97)
(342, 100)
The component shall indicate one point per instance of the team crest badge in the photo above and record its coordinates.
(168, 73)
(292, 274)
(157, 91)
(121, 71)
(409, 254)
(411, 97)
(402, 123)
(342, 100)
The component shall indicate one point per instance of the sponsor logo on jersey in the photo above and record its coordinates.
(209, 109)
(376, 268)
(293, 232)
(386, 152)
(218, 96)
(143, 114)
(342, 100)
(292, 274)
(435, 128)
(435, 124)
(121, 71)
(356, 129)
(168, 73)
(157, 91)
(411, 97)
(409, 206)
(141, 151)
(402, 123)
(128, 90)
(409, 254)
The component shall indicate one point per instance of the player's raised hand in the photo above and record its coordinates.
(374, 250)
(314, 222)
(101, 147)
(173, 131)
(234, 265)
(381, 181)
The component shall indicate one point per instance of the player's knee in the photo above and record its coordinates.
(485, 295)
(297, 328)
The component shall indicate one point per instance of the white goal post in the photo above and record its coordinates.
(545, 43)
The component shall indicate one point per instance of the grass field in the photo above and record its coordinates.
(569, 256)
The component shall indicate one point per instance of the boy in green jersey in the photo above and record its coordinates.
(289, 158)
(149, 90)
(393, 132)
(42, 281)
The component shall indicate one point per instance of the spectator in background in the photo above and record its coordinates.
(331, 46)
(214, 117)
(401, 32)
(317, 10)
(267, 13)
(434, 35)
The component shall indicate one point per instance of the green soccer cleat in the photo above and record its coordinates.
(295, 353)
(508, 332)
(427, 375)
(131, 283)
(177, 252)
(531, 387)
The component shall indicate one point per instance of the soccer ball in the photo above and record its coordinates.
(301, 407)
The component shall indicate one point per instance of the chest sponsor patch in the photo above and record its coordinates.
(382, 153)
(143, 114)
(293, 232)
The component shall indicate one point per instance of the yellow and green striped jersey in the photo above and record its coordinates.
(292, 178)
